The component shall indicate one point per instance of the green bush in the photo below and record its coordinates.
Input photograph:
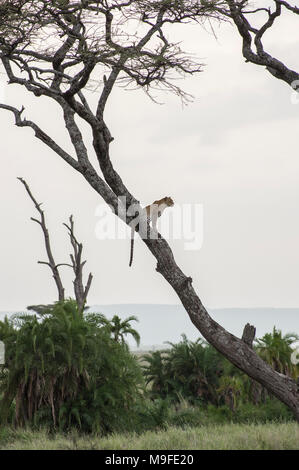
(186, 417)
(63, 369)
(271, 410)
(193, 416)
(188, 370)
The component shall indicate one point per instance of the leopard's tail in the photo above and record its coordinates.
(132, 246)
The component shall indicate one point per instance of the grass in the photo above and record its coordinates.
(272, 436)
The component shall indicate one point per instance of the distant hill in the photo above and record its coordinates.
(159, 322)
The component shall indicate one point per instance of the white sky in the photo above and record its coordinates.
(234, 150)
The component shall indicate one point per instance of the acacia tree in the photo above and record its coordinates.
(56, 50)
(254, 19)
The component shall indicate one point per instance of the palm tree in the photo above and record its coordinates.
(62, 369)
(119, 329)
(155, 372)
(189, 364)
(230, 389)
(276, 350)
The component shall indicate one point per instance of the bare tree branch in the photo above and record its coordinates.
(84, 166)
(81, 292)
(289, 7)
(252, 37)
(42, 222)
(77, 265)
(248, 334)
(41, 135)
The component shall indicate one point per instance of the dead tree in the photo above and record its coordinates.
(90, 39)
(51, 262)
(81, 292)
(77, 265)
(246, 16)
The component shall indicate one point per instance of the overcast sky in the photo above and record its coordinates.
(234, 150)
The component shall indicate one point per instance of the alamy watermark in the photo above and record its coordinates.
(295, 356)
(180, 222)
